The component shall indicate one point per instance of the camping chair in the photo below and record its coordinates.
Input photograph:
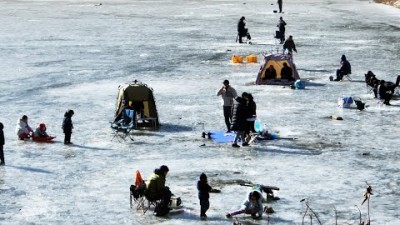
(123, 127)
(138, 195)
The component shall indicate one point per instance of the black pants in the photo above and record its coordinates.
(1, 154)
(245, 33)
(282, 36)
(204, 206)
(280, 6)
(67, 138)
(228, 116)
(339, 75)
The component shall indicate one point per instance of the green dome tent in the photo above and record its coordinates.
(137, 94)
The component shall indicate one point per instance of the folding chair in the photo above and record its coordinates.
(347, 76)
(123, 128)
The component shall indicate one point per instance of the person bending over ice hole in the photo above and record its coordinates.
(157, 191)
(252, 205)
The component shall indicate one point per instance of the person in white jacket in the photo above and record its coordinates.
(23, 129)
(227, 93)
(252, 205)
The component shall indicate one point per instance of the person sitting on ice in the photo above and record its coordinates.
(270, 73)
(156, 190)
(251, 205)
(123, 119)
(286, 72)
(41, 131)
(345, 69)
(23, 129)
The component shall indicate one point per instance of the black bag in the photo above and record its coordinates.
(277, 34)
(161, 209)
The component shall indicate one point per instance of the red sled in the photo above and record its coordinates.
(43, 139)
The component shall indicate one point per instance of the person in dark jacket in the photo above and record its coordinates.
(281, 25)
(270, 73)
(239, 117)
(289, 45)
(2, 162)
(67, 126)
(286, 72)
(204, 194)
(345, 69)
(242, 30)
(280, 5)
(384, 92)
(252, 108)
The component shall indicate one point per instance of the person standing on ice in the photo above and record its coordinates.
(228, 93)
(67, 126)
(23, 129)
(240, 113)
(280, 5)
(281, 25)
(289, 45)
(2, 163)
(204, 194)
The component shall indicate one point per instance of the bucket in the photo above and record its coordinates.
(251, 59)
(237, 59)
(299, 84)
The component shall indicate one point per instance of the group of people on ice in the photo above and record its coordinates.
(24, 132)
(155, 191)
(239, 112)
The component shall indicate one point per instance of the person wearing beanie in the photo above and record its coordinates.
(67, 126)
(2, 162)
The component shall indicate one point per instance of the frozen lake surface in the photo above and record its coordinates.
(59, 55)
